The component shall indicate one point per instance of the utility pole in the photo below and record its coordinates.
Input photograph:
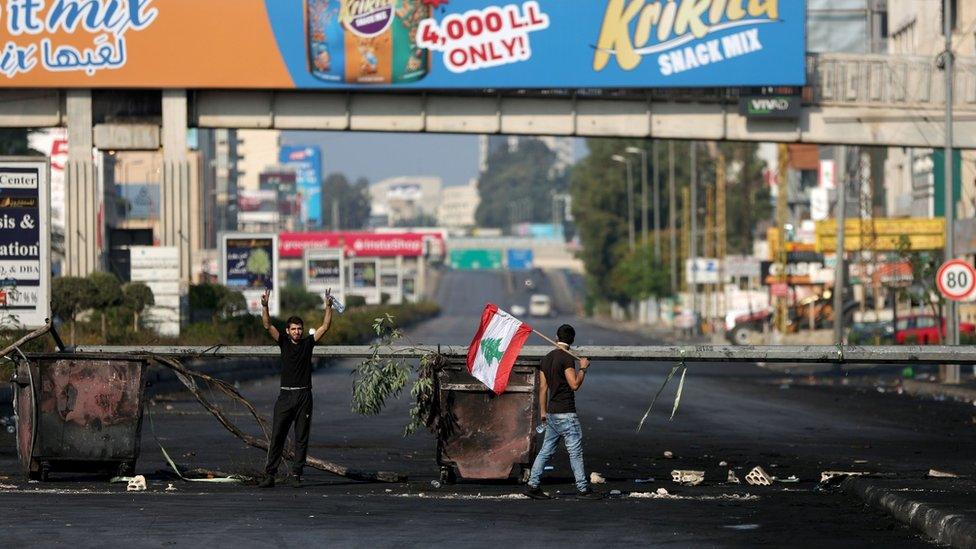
(782, 207)
(672, 219)
(952, 316)
(840, 269)
(693, 238)
(709, 250)
(721, 235)
(656, 185)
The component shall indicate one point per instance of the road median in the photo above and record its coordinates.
(943, 509)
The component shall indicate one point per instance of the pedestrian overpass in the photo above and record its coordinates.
(879, 100)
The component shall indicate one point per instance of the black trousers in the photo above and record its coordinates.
(292, 407)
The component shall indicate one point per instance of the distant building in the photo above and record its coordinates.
(256, 150)
(219, 176)
(458, 206)
(916, 28)
(563, 147)
(405, 200)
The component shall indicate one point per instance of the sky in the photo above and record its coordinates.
(377, 156)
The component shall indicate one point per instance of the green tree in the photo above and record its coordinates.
(13, 142)
(353, 202)
(215, 302)
(106, 295)
(295, 298)
(638, 277)
(70, 296)
(136, 297)
(518, 186)
(599, 190)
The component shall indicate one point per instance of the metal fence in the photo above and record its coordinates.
(798, 354)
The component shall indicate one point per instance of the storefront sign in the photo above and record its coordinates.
(25, 245)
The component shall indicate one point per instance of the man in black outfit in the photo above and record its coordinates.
(559, 379)
(294, 404)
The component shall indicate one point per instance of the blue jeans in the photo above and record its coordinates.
(566, 427)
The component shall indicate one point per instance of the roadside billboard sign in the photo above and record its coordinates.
(325, 269)
(307, 161)
(355, 243)
(412, 44)
(249, 264)
(25, 243)
(158, 268)
(883, 234)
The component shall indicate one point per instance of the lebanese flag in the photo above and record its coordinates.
(495, 347)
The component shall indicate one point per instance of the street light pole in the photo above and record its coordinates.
(630, 200)
(655, 185)
(948, 180)
(693, 241)
(672, 219)
(644, 222)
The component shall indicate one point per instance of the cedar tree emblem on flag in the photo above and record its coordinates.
(495, 347)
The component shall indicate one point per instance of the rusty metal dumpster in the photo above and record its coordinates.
(80, 413)
(489, 436)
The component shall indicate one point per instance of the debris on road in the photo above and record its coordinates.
(789, 479)
(668, 454)
(733, 479)
(723, 464)
(597, 478)
(170, 487)
(662, 492)
(615, 492)
(647, 480)
(136, 484)
(828, 475)
(936, 473)
(758, 476)
(688, 478)
(435, 484)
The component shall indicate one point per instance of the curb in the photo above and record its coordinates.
(938, 523)
(927, 388)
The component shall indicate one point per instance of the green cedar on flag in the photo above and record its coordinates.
(495, 347)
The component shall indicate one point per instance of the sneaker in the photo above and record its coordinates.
(536, 492)
(588, 494)
(267, 482)
(294, 481)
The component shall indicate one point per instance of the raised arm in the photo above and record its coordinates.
(575, 377)
(327, 319)
(266, 316)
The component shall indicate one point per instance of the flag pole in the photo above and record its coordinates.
(556, 345)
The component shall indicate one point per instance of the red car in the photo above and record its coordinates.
(923, 330)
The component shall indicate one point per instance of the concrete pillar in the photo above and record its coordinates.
(175, 192)
(82, 233)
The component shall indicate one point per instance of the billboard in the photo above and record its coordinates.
(307, 161)
(325, 269)
(356, 243)
(25, 243)
(459, 44)
(158, 268)
(249, 264)
(364, 273)
(257, 207)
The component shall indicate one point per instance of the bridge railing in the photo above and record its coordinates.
(887, 81)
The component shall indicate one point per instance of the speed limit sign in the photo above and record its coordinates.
(956, 280)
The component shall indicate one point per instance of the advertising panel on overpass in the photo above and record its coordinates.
(421, 44)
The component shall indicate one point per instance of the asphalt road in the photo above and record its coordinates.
(739, 414)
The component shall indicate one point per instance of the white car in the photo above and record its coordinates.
(540, 305)
(518, 310)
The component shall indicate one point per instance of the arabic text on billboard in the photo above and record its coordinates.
(472, 44)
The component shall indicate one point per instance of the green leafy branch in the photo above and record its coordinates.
(379, 379)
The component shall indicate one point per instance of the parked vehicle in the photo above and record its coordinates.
(872, 333)
(540, 305)
(925, 330)
(518, 310)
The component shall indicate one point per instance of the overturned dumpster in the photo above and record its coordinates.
(78, 413)
(486, 436)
